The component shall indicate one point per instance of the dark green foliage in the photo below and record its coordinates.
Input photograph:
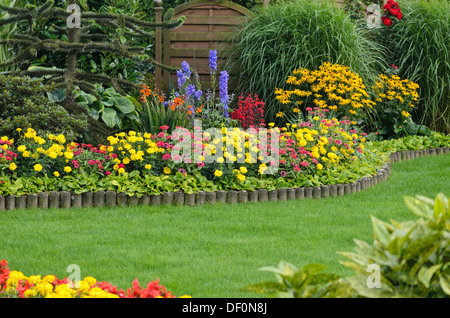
(71, 42)
(24, 103)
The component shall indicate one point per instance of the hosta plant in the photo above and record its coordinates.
(414, 256)
(407, 259)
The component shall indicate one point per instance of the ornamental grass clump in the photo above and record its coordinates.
(290, 35)
(420, 46)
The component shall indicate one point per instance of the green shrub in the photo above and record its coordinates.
(421, 48)
(23, 104)
(413, 259)
(300, 34)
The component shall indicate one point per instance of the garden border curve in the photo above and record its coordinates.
(67, 199)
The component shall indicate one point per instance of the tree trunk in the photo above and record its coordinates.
(98, 131)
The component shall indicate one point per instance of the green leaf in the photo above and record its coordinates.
(417, 207)
(266, 287)
(426, 274)
(312, 269)
(57, 95)
(440, 207)
(109, 116)
(380, 231)
(359, 284)
(445, 284)
(123, 104)
(357, 258)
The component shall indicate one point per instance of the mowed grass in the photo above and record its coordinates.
(212, 250)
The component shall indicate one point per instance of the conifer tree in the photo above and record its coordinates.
(73, 39)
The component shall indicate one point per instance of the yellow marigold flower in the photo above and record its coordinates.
(37, 167)
(64, 291)
(61, 139)
(90, 280)
(12, 166)
(262, 168)
(44, 288)
(49, 278)
(243, 169)
(56, 174)
(240, 177)
(67, 169)
(319, 166)
(149, 166)
(31, 292)
(21, 148)
(34, 279)
(68, 155)
(126, 160)
(52, 154)
(167, 170)
(121, 170)
(218, 173)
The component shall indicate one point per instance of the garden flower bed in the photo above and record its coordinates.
(14, 284)
(139, 169)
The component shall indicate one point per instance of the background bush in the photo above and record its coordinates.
(420, 45)
(300, 33)
(23, 103)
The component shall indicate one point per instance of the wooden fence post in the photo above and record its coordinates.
(158, 49)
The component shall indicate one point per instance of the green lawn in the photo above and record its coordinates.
(210, 251)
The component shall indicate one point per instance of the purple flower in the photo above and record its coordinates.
(190, 90)
(223, 91)
(198, 94)
(181, 79)
(186, 69)
(213, 60)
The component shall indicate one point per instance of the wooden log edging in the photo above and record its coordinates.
(66, 199)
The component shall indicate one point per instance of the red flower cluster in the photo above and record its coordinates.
(391, 10)
(6, 154)
(249, 112)
(4, 272)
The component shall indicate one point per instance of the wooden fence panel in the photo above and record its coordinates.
(209, 25)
